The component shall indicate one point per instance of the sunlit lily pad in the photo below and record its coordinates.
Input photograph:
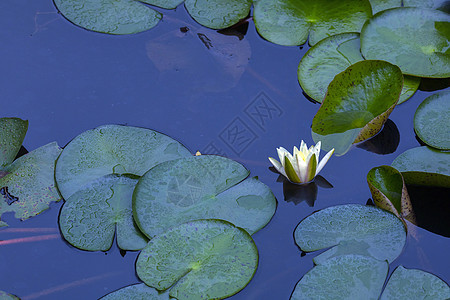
(330, 57)
(91, 216)
(406, 284)
(12, 133)
(203, 259)
(424, 166)
(379, 5)
(289, 23)
(352, 229)
(112, 149)
(28, 184)
(358, 102)
(109, 16)
(137, 292)
(343, 277)
(414, 39)
(201, 187)
(432, 120)
(389, 192)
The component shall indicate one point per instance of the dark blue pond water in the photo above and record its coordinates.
(65, 80)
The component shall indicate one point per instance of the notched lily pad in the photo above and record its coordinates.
(351, 229)
(91, 216)
(12, 134)
(424, 166)
(203, 259)
(112, 149)
(109, 16)
(415, 39)
(405, 284)
(137, 292)
(389, 192)
(201, 187)
(358, 102)
(343, 277)
(290, 23)
(332, 56)
(28, 185)
(432, 120)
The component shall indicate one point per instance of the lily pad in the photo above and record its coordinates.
(380, 5)
(289, 23)
(432, 120)
(343, 277)
(201, 187)
(415, 39)
(12, 134)
(91, 216)
(28, 185)
(424, 166)
(434, 4)
(112, 149)
(405, 284)
(358, 102)
(168, 4)
(7, 296)
(330, 57)
(351, 229)
(109, 16)
(218, 14)
(136, 292)
(389, 192)
(203, 259)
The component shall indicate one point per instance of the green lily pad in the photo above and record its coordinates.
(12, 134)
(351, 229)
(358, 102)
(415, 39)
(330, 57)
(109, 16)
(424, 166)
(136, 292)
(203, 259)
(167, 4)
(28, 184)
(343, 277)
(112, 149)
(405, 284)
(218, 14)
(389, 192)
(434, 4)
(432, 120)
(7, 296)
(201, 187)
(289, 23)
(91, 216)
(380, 5)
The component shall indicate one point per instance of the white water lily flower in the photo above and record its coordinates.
(301, 166)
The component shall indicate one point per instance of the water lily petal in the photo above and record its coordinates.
(303, 148)
(277, 165)
(311, 170)
(281, 154)
(290, 172)
(324, 161)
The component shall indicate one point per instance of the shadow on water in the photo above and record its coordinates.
(434, 84)
(296, 193)
(385, 142)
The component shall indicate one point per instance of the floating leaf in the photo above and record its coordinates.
(330, 57)
(112, 149)
(432, 120)
(434, 4)
(351, 229)
(109, 16)
(12, 134)
(289, 23)
(201, 187)
(343, 277)
(379, 5)
(414, 39)
(6, 296)
(136, 292)
(168, 4)
(358, 102)
(29, 185)
(389, 191)
(405, 284)
(91, 216)
(203, 259)
(218, 14)
(424, 166)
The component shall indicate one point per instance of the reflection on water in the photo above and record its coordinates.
(297, 193)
